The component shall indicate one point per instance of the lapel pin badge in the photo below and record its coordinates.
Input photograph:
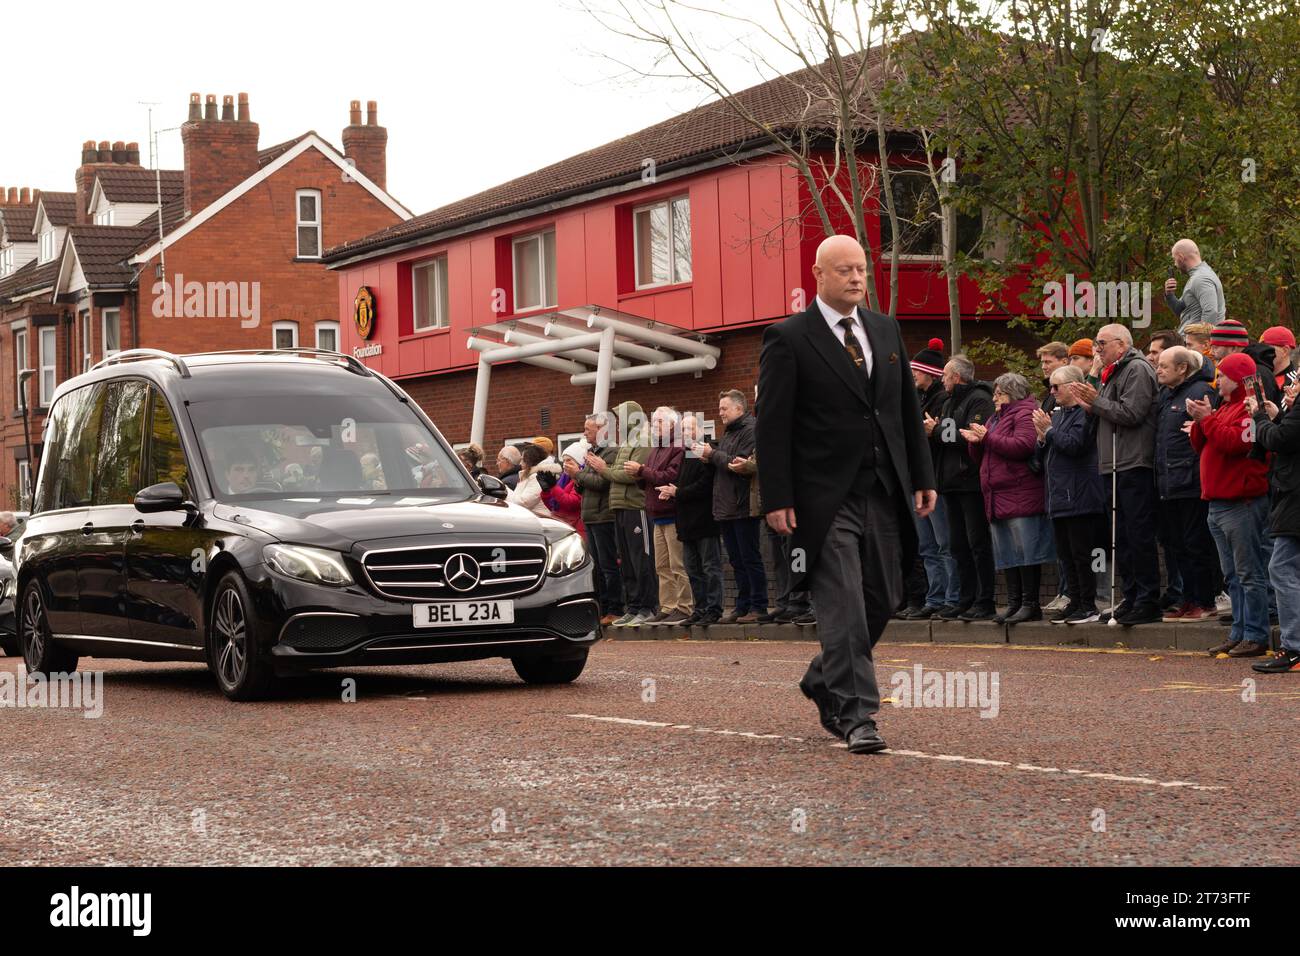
(893, 358)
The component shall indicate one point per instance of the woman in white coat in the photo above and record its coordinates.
(528, 493)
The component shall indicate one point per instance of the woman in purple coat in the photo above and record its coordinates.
(1014, 501)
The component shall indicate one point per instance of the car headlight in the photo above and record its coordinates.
(308, 564)
(567, 554)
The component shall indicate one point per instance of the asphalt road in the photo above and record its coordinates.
(663, 753)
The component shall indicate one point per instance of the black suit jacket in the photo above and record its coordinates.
(813, 425)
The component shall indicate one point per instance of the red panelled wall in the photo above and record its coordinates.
(745, 267)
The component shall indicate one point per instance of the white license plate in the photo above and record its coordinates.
(463, 613)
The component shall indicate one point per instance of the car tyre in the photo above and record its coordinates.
(40, 653)
(549, 670)
(242, 670)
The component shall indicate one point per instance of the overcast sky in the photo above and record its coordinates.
(472, 93)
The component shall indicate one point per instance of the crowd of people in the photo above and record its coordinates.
(657, 504)
(1188, 447)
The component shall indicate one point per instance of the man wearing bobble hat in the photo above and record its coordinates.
(942, 587)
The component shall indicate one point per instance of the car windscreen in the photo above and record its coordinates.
(313, 445)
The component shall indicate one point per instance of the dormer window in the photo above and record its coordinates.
(47, 245)
(6, 260)
(104, 217)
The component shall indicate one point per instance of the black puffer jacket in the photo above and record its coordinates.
(1282, 437)
(1178, 466)
(956, 472)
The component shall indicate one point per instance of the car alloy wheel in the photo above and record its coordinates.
(232, 638)
(33, 630)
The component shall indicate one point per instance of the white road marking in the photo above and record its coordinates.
(919, 754)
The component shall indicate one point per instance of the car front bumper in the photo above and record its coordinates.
(310, 626)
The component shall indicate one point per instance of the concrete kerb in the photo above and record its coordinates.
(1170, 637)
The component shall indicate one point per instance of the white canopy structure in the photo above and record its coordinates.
(593, 345)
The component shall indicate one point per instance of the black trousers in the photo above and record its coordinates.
(604, 551)
(1189, 547)
(856, 584)
(972, 547)
(1077, 539)
(636, 557)
(1136, 556)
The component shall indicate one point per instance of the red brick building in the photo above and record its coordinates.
(223, 254)
(691, 232)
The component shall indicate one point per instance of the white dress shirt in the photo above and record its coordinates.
(834, 318)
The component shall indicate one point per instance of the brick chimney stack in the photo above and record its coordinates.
(220, 152)
(367, 145)
(94, 156)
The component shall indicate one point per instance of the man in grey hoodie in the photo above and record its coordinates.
(1126, 448)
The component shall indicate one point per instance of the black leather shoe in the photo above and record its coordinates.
(978, 613)
(767, 618)
(926, 613)
(825, 712)
(866, 739)
(1011, 611)
(1027, 612)
(953, 612)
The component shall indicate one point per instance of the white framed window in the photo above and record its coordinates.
(327, 336)
(662, 242)
(284, 335)
(47, 245)
(49, 355)
(111, 320)
(308, 205)
(20, 363)
(104, 217)
(25, 485)
(87, 356)
(429, 281)
(6, 260)
(534, 271)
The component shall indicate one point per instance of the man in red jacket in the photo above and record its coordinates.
(1235, 483)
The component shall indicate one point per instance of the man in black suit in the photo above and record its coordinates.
(843, 464)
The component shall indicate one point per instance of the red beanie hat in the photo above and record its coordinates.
(1278, 335)
(1238, 366)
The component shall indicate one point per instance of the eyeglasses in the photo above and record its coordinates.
(1052, 388)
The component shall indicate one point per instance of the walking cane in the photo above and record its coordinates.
(1114, 486)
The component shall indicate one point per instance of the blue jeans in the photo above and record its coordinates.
(1284, 572)
(741, 536)
(703, 561)
(1239, 533)
(943, 585)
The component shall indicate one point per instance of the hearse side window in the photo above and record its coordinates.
(75, 465)
(166, 461)
(121, 440)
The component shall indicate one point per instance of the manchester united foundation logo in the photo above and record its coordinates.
(363, 311)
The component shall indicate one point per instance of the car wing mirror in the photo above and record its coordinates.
(6, 547)
(493, 486)
(164, 496)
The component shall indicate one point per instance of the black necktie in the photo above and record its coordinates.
(851, 345)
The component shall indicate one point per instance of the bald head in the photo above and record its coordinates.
(841, 273)
(1185, 254)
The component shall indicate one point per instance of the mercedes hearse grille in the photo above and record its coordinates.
(456, 572)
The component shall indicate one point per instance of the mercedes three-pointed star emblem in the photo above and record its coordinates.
(461, 572)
